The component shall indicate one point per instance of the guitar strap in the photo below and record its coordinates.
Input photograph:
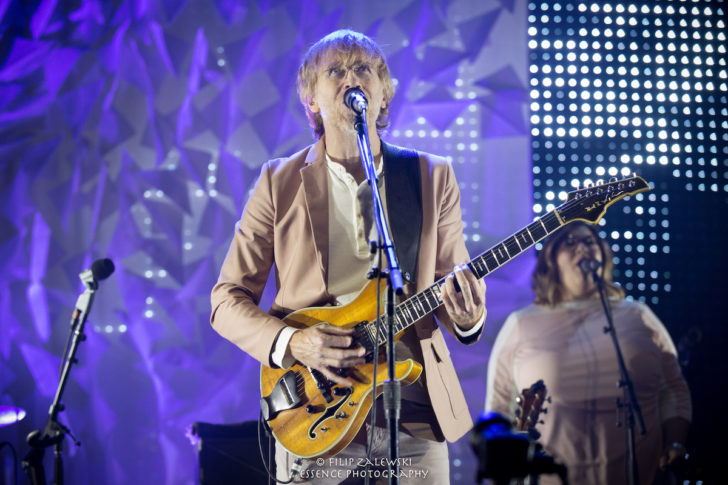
(404, 205)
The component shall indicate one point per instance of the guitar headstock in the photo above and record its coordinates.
(530, 407)
(590, 203)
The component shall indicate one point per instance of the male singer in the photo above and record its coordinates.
(310, 218)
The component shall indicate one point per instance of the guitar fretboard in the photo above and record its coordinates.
(428, 300)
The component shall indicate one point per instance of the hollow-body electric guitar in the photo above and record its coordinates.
(311, 416)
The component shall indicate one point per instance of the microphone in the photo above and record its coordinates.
(100, 270)
(355, 100)
(589, 265)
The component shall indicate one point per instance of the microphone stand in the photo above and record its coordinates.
(54, 432)
(392, 392)
(629, 398)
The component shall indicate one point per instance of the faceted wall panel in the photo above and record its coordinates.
(134, 131)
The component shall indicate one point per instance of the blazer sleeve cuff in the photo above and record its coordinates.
(281, 355)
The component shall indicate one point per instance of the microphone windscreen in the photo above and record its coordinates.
(102, 269)
(589, 265)
(355, 100)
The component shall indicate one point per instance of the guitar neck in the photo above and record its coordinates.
(428, 300)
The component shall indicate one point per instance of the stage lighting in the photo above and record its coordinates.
(636, 87)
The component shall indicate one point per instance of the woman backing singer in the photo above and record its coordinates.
(560, 338)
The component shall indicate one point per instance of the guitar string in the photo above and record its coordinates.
(408, 311)
(536, 231)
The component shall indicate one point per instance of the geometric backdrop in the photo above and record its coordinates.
(134, 130)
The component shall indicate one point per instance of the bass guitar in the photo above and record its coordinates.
(312, 417)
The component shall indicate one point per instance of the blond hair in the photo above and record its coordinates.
(546, 281)
(351, 45)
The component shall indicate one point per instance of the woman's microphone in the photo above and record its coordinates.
(589, 265)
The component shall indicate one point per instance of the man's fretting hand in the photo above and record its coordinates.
(467, 306)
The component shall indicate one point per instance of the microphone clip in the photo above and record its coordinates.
(99, 270)
(87, 278)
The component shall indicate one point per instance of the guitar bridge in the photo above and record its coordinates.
(283, 396)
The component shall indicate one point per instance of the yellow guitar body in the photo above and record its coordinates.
(324, 423)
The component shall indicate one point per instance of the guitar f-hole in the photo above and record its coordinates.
(331, 412)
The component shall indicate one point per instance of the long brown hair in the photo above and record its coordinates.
(546, 281)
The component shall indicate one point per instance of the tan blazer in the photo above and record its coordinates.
(285, 225)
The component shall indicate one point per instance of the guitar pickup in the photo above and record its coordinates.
(284, 396)
(322, 384)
